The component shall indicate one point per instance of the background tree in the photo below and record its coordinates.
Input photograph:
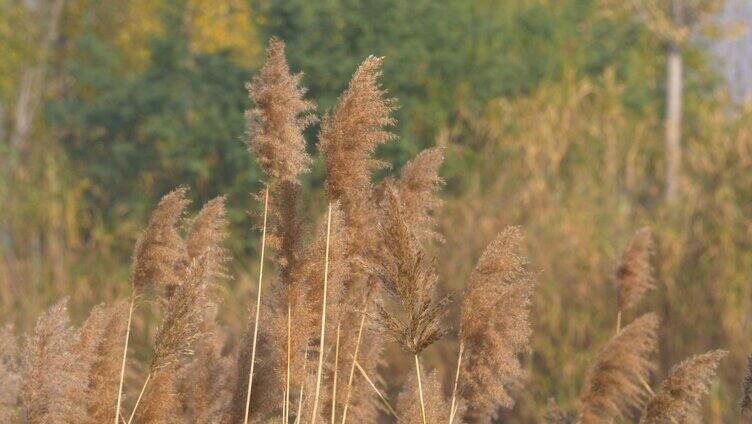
(673, 22)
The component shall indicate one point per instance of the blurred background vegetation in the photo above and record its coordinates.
(552, 112)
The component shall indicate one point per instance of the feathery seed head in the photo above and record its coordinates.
(408, 402)
(183, 319)
(350, 135)
(634, 275)
(275, 125)
(206, 235)
(52, 378)
(678, 398)
(160, 257)
(99, 345)
(418, 188)
(409, 278)
(493, 341)
(614, 385)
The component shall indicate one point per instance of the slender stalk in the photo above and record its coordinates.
(286, 406)
(420, 390)
(334, 382)
(618, 322)
(258, 308)
(647, 386)
(302, 388)
(355, 359)
(143, 389)
(125, 355)
(373, 386)
(284, 410)
(453, 408)
(323, 316)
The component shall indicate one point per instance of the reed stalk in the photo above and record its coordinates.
(286, 406)
(420, 390)
(323, 317)
(355, 361)
(334, 382)
(453, 408)
(125, 355)
(378, 392)
(140, 395)
(258, 308)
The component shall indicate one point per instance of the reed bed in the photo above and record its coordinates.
(313, 347)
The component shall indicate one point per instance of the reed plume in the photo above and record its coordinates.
(52, 378)
(10, 376)
(494, 326)
(160, 257)
(678, 398)
(408, 277)
(408, 402)
(206, 233)
(348, 138)
(275, 135)
(183, 324)
(614, 385)
(206, 382)
(418, 190)
(746, 406)
(350, 135)
(99, 347)
(159, 260)
(275, 125)
(634, 274)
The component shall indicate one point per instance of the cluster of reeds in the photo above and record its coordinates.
(312, 350)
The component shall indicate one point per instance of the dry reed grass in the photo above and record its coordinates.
(298, 358)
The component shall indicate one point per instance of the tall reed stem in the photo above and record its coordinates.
(302, 387)
(323, 316)
(618, 322)
(420, 390)
(355, 361)
(258, 308)
(334, 382)
(378, 392)
(286, 406)
(143, 389)
(125, 355)
(453, 408)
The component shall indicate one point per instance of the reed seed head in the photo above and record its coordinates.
(634, 275)
(678, 398)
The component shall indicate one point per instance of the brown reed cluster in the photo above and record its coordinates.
(313, 349)
(617, 385)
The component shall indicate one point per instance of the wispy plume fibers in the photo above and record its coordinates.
(275, 125)
(99, 348)
(53, 378)
(407, 275)
(614, 385)
(494, 326)
(182, 326)
(160, 256)
(408, 402)
(634, 274)
(678, 398)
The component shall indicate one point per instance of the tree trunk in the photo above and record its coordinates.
(673, 121)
